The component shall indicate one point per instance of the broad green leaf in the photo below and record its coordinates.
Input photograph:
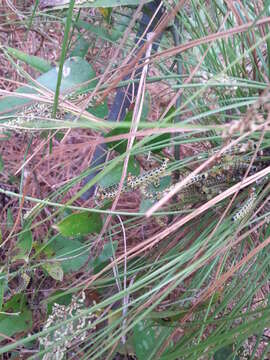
(34, 61)
(224, 353)
(55, 270)
(146, 339)
(80, 224)
(72, 254)
(164, 139)
(76, 71)
(121, 145)
(100, 110)
(114, 176)
(23, 246)
(160, 141)
(108, 251)
(19, 318)
(81, 47)
(10, 221)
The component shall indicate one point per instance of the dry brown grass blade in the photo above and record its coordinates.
(155, 131)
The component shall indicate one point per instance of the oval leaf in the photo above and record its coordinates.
(76, 71)
(102, 260)
(147, 338)
(80, 224)
(11, 324)
(121, 145)
(225, 353)
(72, 254)
(23, 246)
(54, 270)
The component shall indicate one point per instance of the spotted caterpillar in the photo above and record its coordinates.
(40, 110)
(237, 149)
(156, 195)
(229, 172)
(23, 282)
(246, 208)
(221, 176)
(200, 178)
(133, 182)
(151, 176)
(31, 113)
(109, 192)
(240, 166)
